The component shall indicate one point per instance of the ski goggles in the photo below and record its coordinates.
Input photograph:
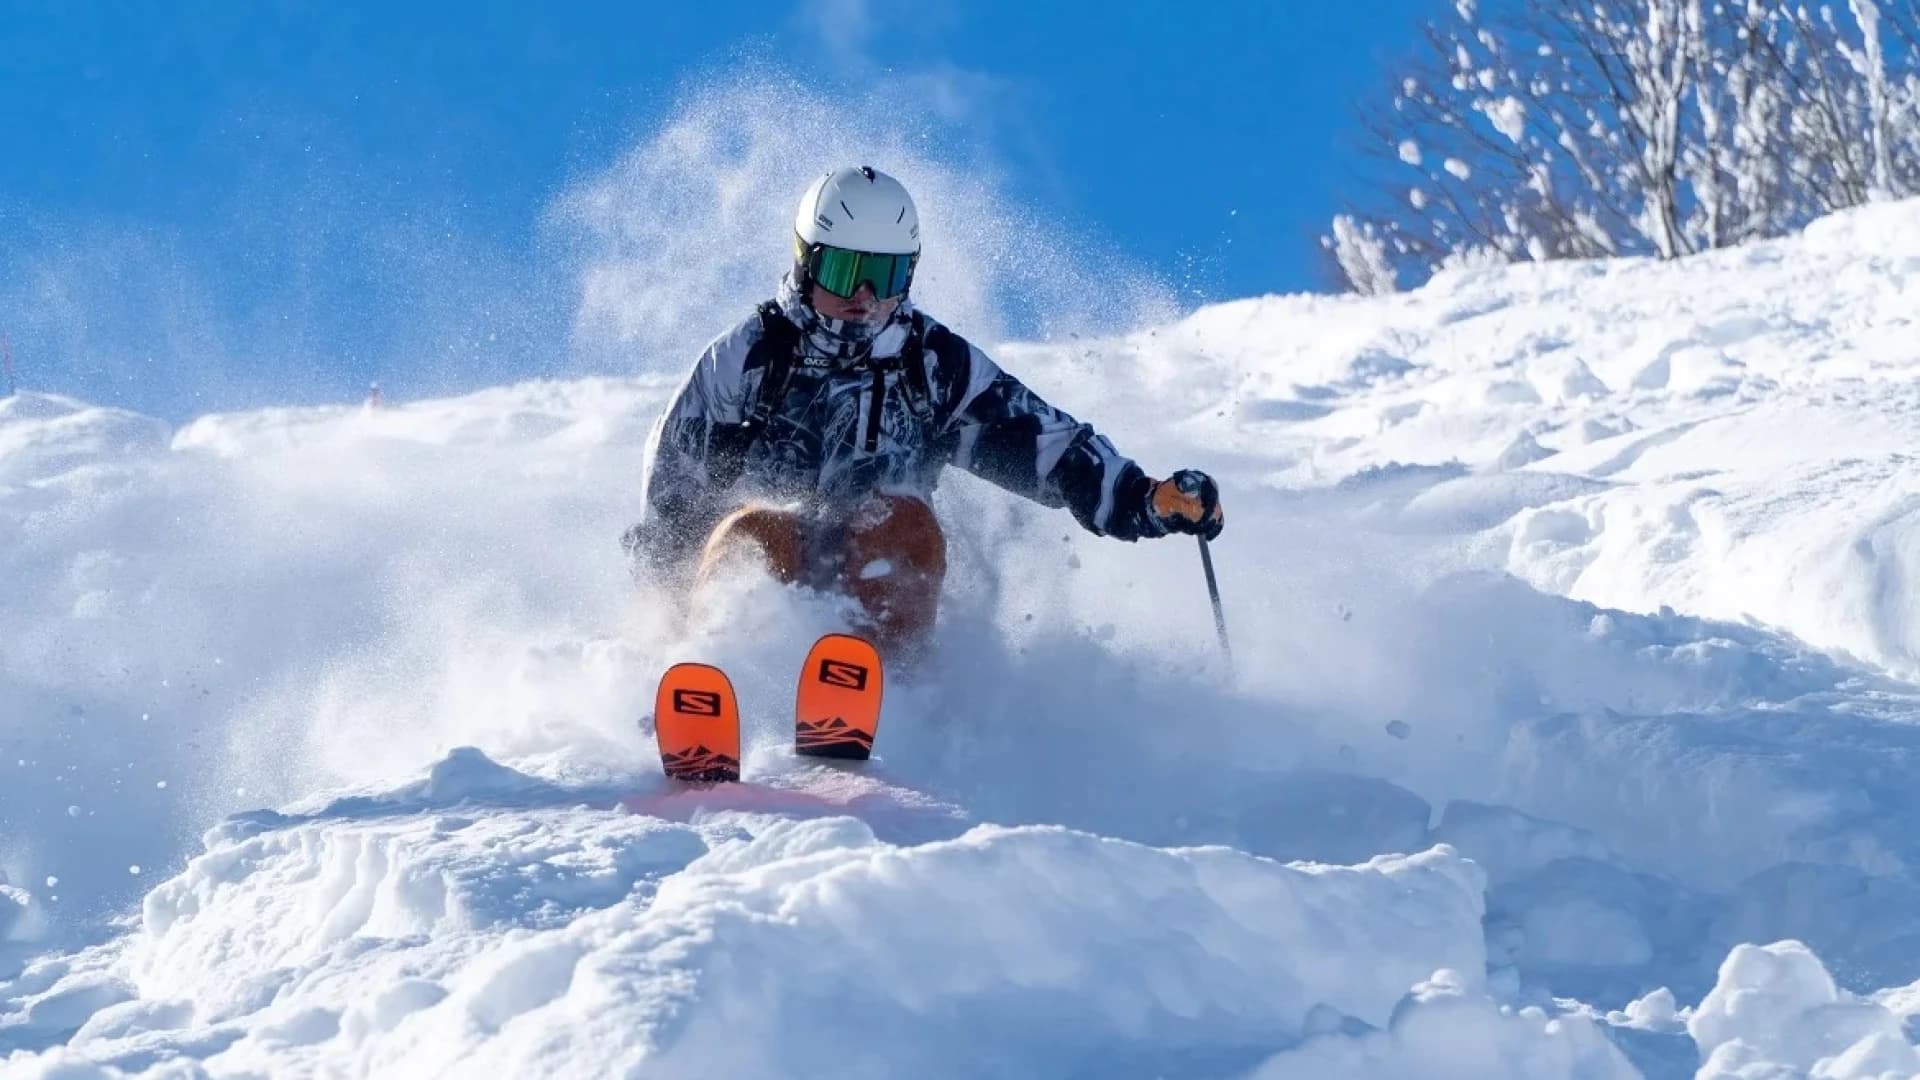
(842, 272)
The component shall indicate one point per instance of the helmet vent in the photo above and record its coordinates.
(867, 171)
(843, 206)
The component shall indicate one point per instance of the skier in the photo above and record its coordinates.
(811, 435)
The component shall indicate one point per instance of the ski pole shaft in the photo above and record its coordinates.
(1213, 592)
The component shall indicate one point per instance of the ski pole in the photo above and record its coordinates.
(1213, 591)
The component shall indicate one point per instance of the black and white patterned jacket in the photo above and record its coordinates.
(829, 441)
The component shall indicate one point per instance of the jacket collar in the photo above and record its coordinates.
(844, 344)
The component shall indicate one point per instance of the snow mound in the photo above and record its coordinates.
(1444, 1030)
(1776, 1012)
(571, 942)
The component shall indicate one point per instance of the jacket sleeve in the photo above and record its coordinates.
(1008, 435)
(694, 454)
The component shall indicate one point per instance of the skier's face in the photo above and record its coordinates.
(862, 308)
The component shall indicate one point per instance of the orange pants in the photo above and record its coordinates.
(889, 554)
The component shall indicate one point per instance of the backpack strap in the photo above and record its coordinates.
(914, 369)
(779, 340)
(728, 444)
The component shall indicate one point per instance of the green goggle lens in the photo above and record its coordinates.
(842, 272)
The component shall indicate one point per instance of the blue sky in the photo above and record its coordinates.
(242, 203)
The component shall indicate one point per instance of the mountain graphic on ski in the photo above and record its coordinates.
(832, 738)
(701, 765)
(837, 709)
(697, 722)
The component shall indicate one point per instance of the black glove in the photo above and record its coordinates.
(1187, 502)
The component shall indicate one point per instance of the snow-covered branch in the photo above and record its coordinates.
(1581, 128)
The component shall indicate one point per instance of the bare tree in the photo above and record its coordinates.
(1557, 129)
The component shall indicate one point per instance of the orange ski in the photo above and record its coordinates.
(697, 720)
(838, 710)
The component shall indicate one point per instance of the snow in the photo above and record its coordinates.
(1362, 257)
(1776, 1006)
(1508, 115)
(1444, 1030)
(1569, 734)
(945, 948)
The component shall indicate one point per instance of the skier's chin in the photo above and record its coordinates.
(863, 324)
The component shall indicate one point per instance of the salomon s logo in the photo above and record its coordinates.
(696, 702)
(840, 673)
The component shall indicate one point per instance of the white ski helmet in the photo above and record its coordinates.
(858, 209)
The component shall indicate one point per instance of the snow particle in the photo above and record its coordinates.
(134, 869)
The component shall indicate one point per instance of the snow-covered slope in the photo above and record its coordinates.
(1678, 435)
(1569, 608)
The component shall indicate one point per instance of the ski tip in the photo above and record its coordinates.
(844, 662)
(837, 709)
(697, 724)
